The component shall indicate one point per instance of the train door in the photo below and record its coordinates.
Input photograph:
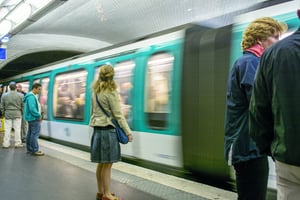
(157, 104)
(124, 67)
(69, 112)
(148, 83)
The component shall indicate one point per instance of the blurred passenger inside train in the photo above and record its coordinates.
(80, 102)
(275, 112)
(64, 91)
(65, 108)
(11, 107)
(251, 167)
(125, 93)
(65, 102)
(126, 102)
(43, 101)
(24, 125)
(32, 114)
(105, 148)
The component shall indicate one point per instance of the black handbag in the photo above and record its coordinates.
(122, 137)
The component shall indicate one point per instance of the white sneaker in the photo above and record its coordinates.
(19, 146)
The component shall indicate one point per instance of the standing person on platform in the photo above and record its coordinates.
(1, 92)
(105, 148)
(251, 167)
(19, 89)
(32, 114)
(275, 112)
(24, 126)
(11, 107)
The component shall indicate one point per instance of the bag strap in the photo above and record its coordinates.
(106, 113)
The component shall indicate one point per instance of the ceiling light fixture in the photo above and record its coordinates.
(15, 15)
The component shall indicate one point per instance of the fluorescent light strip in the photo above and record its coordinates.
(15, 12)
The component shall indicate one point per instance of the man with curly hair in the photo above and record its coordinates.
(251, 167)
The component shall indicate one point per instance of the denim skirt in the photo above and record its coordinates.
(105, 147)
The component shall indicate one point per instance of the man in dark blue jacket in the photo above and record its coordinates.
(275, 112)
(251, 167)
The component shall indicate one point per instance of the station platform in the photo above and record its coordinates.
(65, 173)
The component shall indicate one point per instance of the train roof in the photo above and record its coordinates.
(74, 27)
(171, 34)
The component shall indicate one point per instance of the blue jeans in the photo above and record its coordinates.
(33, 133)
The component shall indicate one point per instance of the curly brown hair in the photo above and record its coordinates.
(261, 29)
(105, 80)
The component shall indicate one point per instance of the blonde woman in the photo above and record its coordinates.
(250, 166)
(105, 148)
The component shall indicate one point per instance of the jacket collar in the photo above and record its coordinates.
(256, 49)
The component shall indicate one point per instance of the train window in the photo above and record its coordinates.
(69, 95)
(24, 85)
(44, 96)
(158, 90)
(123, 77)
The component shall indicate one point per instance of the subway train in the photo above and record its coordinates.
(172, 88)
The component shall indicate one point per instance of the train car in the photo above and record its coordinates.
(172, 88)
(204, 84)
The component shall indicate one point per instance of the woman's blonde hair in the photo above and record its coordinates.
(260, 29)
(105, 80)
